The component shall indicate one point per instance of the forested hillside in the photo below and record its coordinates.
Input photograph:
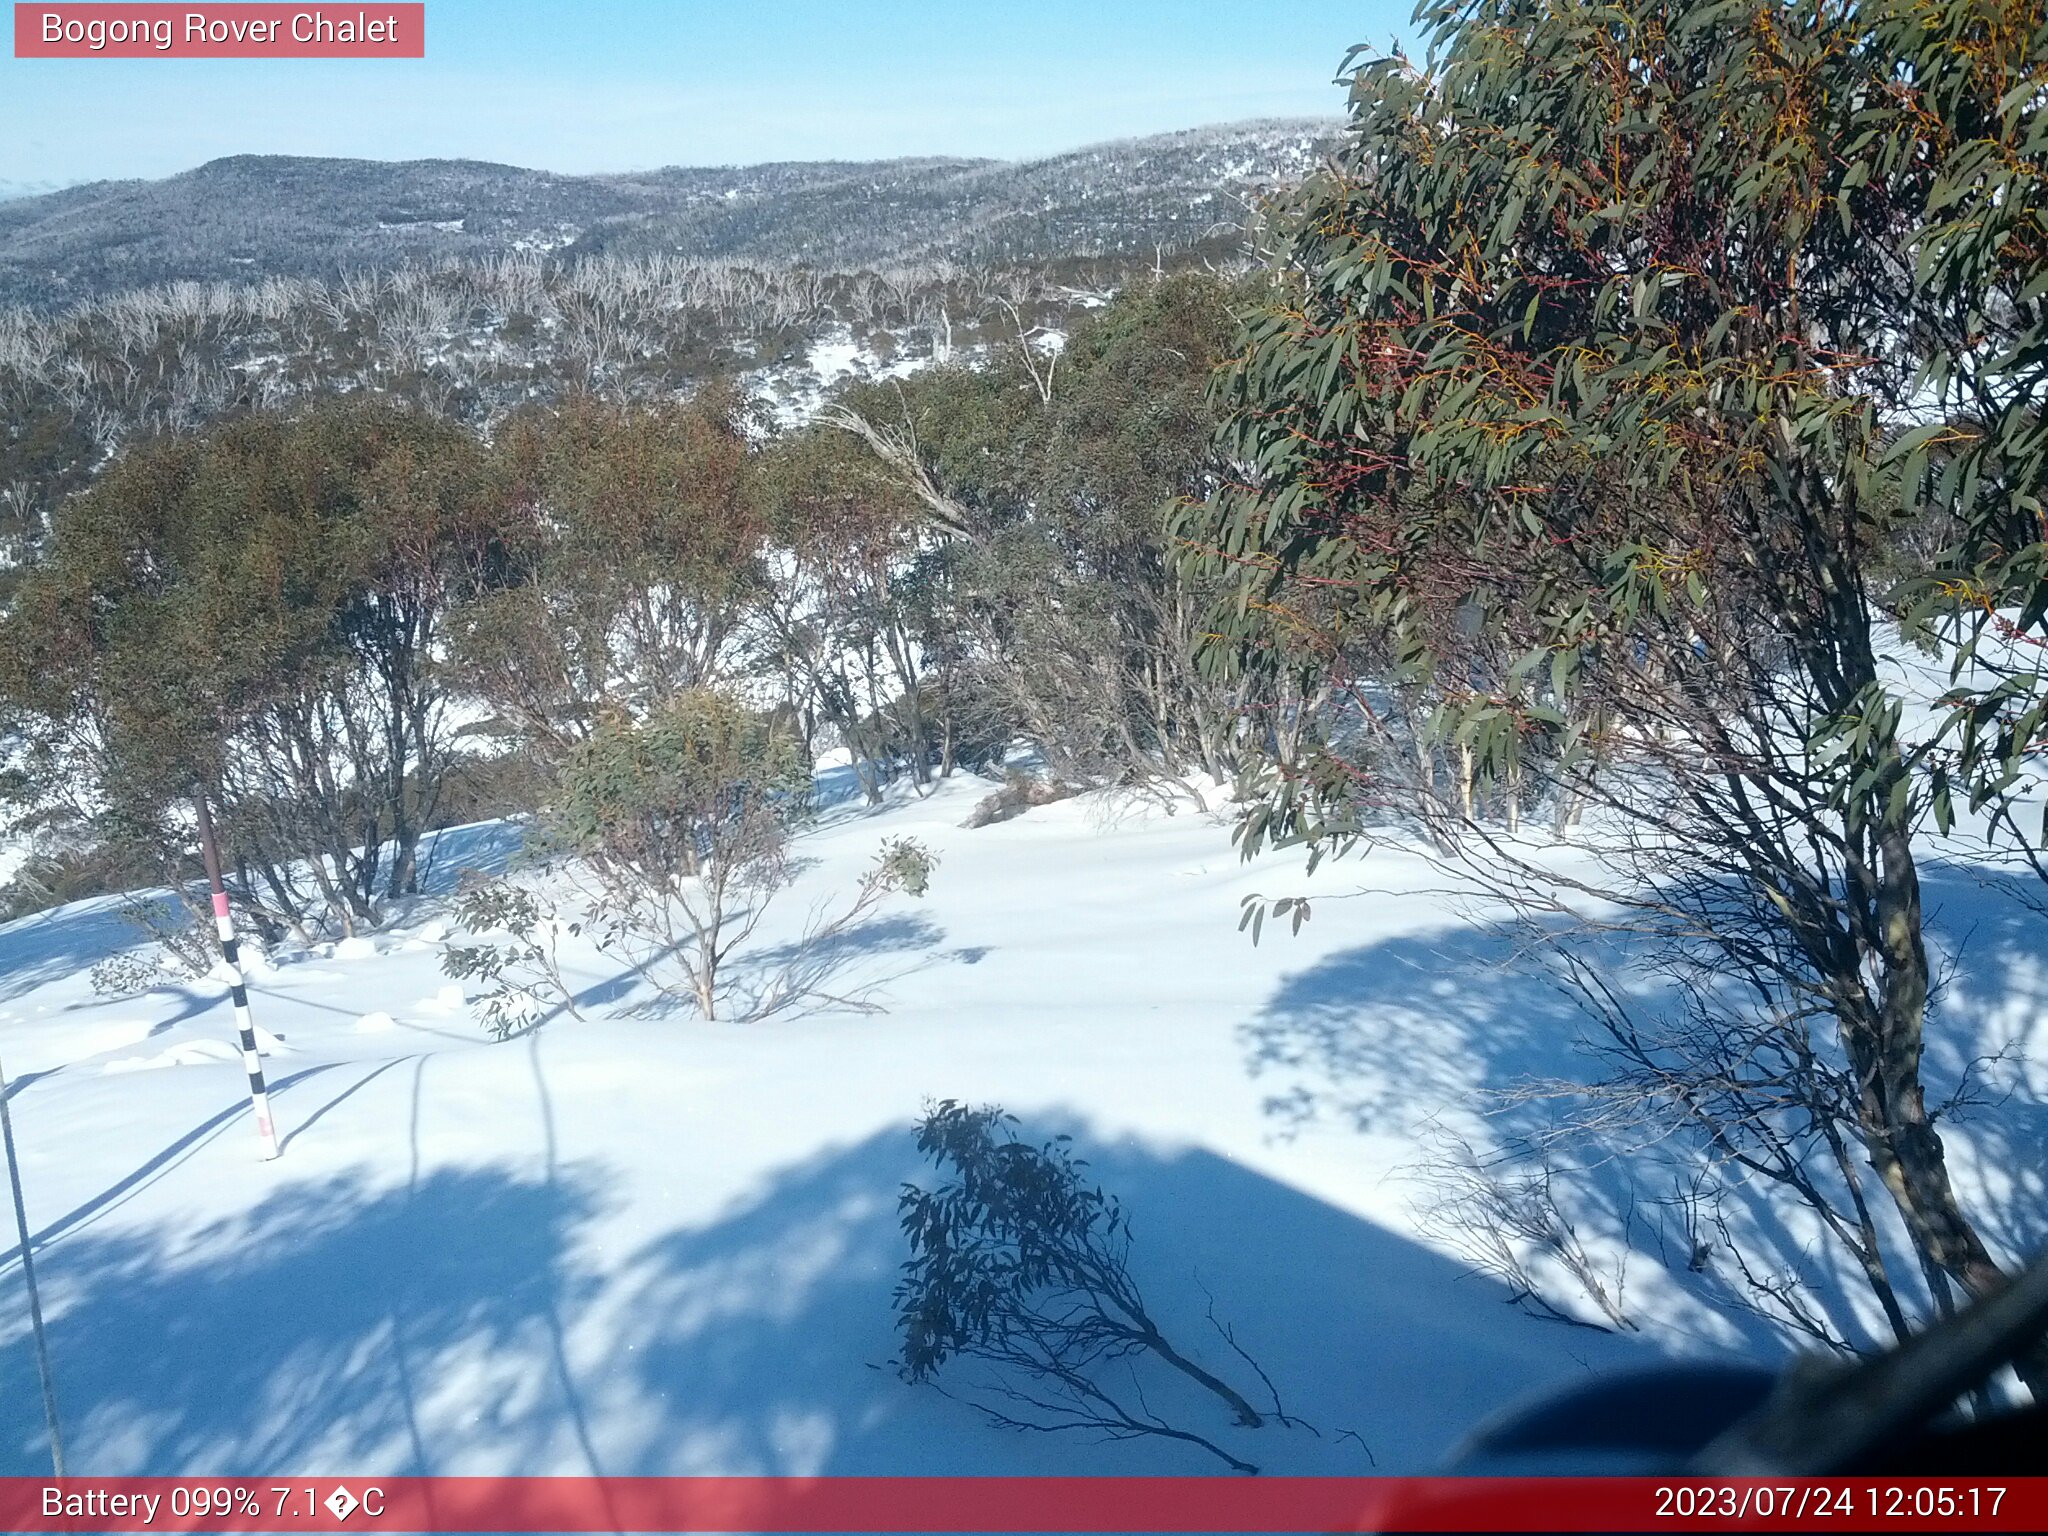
(278, 216)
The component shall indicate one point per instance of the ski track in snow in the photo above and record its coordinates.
(642, 1243)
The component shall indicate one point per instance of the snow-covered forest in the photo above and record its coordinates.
(1225, 861)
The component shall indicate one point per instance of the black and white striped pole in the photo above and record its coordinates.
(231, 951)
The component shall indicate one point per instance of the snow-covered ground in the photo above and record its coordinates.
(797, 391)
(642, 1243)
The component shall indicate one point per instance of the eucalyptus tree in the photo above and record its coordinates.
(1606, 387)
(1032, 488)
(255, 613)
(634, 537)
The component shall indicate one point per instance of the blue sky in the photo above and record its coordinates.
(596, 85)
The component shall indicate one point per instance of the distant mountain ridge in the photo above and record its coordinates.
(257, 215)
(14, 189)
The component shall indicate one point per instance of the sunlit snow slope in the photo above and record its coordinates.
(646, 1244)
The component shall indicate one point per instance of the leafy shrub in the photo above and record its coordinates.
(524, 975)
(1022, 1264)
(182, 930)
(125, 975)
(52, 879)
(905, 865)
(683, 821)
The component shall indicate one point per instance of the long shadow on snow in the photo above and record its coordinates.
(467, 1325)
(274, 1342)
(167, 1158)
(825, 973)
(1376, 1037)
(49, 946)
(487, 847)
(1990, 1024)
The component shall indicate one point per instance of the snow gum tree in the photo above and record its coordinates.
(634, 538)
(854, 623)
(684, 820)
(1026, 497)
(256, 611)
(679, 825)
(1602, 393)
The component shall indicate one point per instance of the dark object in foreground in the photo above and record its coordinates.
(1892, 1414)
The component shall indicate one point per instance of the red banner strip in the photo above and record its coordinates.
(372, 30)
(1013, 1504)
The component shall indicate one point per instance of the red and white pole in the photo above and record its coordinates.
(231, 951)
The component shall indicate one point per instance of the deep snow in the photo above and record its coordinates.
(642, 1243)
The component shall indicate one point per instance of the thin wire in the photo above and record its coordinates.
(28, 1273)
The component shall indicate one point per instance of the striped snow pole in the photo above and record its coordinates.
(231, 951)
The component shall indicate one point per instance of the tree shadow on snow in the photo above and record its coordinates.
(485, 1321)
(832, 972)
(1366, 1036)
(1384, 1038)
(1990, 1033)
(49, 946)
(484, 848)
(166, 1160)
